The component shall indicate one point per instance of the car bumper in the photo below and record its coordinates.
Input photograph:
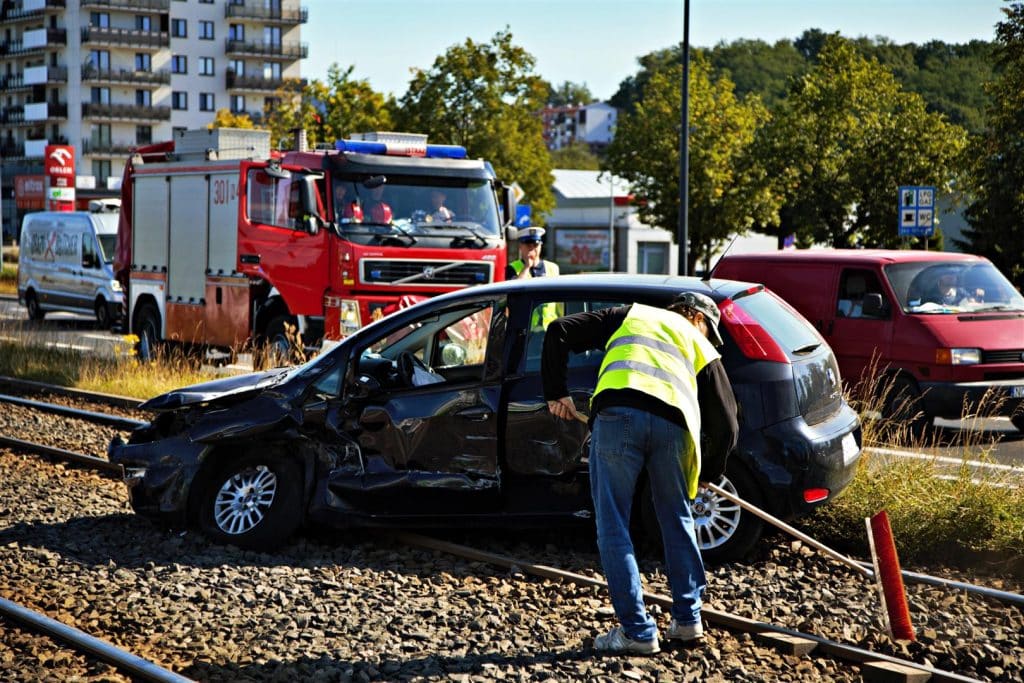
(798, 460)
(158, 474)
(992, 398)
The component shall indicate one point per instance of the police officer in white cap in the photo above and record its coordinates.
(530, 264)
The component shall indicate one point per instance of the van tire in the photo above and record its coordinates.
(902, 410)
(35, 311)
(146, 326)
(1018, 421)
(103, 313)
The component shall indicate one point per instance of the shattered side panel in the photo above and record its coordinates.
(537, 442)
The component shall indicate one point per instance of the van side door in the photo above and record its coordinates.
(861, 335)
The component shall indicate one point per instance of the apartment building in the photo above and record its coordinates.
(108, 75)
(590, 124)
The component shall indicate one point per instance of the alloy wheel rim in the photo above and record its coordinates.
(244, 500)
(715, 518)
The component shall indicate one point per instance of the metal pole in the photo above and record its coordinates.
(611, 222)
(684, 148)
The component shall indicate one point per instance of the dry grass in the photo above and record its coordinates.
(9, 276)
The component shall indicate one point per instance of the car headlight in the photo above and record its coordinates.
(115, 286)
(957, 356)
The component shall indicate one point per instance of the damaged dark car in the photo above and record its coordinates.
(435, 417)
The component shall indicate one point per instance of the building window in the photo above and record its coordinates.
(178, 131)
(101, 170)
(206, 30)
(206, 101)
(205, 2)
(179, 64)
(143, 62)
(206, 66)
(236, 32)
(143, 22)
(99, 135)
(272, 70)
(272, 35)
(237, 104)
(143, 135)
(99, 96)
(179, 100)
(143, 98)
(238, 66)
(99, 19)
(179, 28)
(100, 59)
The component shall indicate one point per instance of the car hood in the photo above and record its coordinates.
(216, 390)
(992, 331)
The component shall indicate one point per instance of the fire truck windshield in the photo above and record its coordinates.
(415, 205)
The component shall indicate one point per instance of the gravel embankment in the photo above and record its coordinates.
(358, 606)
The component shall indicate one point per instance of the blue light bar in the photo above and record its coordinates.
(399, 149)
(446, 151)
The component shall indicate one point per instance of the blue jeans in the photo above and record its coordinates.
(624, 442)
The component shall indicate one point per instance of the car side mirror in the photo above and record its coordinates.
(872, 305)
(508, 204)
(365, 386)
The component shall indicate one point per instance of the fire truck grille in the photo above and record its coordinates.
(426, 273)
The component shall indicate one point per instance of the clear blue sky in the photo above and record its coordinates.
(597, 42)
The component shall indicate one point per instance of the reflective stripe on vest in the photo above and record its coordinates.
(659, 353)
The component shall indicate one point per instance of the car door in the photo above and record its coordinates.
(422, 400)
(859, 336)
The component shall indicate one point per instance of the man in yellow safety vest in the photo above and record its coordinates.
(645, 414)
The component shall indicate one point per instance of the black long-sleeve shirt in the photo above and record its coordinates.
(592, 330)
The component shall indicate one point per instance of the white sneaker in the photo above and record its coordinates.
(617, 642)
(686, 633)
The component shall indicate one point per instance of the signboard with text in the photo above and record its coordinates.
(60, 173)
(916, 211)
(581, 251)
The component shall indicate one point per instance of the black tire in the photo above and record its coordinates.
(254, 502)
(103, 313)
(1018, 421)
(274, 348)
(902, 409)
(146, 326)
(725, 531)
(35, 312)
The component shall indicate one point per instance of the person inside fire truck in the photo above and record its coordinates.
(377, 210)
(438, 212)
(345, 209)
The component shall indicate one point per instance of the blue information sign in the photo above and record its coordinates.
(916, 211)
(523, 215)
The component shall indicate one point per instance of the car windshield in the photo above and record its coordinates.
(415, 205)
(949, 287)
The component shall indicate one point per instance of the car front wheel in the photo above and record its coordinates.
(253, 503)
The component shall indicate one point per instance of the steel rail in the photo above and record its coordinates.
(80, 458)
(724, 619)
(83, 642)
(117, 421)
(111, 399)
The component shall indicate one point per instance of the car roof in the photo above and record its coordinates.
(848, 256)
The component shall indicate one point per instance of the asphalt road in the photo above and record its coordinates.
(955, 441)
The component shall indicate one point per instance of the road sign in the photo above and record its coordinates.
(523, 216)
(916, 211)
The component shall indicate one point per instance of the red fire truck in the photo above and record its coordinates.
(223, 242)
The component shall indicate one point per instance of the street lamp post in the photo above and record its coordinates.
(684, 148)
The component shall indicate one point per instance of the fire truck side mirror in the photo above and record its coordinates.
(508, 204)
(311, 218)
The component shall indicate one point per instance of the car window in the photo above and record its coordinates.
(854, 285)
(789, 329)
(540, 318)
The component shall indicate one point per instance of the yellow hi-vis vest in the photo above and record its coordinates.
(544, 314)
(659, 353)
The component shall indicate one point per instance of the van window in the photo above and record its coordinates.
(854, 284)
(89, 250)
(108, 247)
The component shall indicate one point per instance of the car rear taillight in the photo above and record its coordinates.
(815, 495)
(750, 336)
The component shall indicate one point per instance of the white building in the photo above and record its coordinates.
(593, 218)
(590, 124)
(108, 75)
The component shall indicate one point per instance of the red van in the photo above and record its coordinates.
(945, 328)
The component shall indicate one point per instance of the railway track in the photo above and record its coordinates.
(789, 642)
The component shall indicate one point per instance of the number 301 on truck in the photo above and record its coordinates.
(223, 243)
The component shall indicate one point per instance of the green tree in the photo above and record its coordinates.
(843, 141)
(576, 155)
(484, 96)
(328, 110)
(569, 94)
(224, 118)
(997, 215)
(728, 190)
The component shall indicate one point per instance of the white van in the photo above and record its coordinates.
(66, 263)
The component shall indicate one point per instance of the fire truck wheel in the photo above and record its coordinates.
(275, 346)
(146, 327)
(35, 312)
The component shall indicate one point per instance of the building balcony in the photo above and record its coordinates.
(44, 75)
(126, 112)
(13, 83)
(280, 51)
(266, 15)
(147, 6)
(107, 148)
(38, 40)
(262, 84)
(30, 9)
(92, 74)
(40, 112)
(125, 37)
